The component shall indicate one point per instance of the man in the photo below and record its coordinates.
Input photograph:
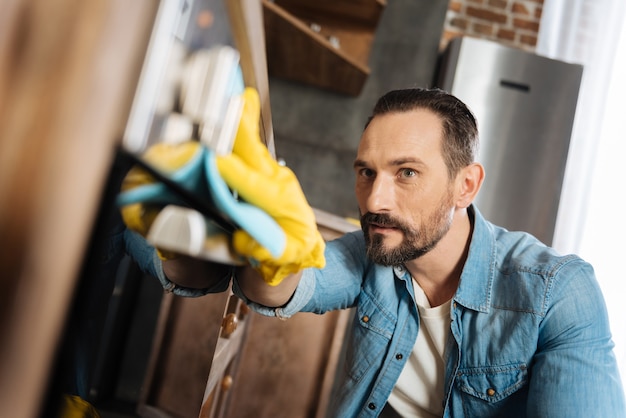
(454, 316)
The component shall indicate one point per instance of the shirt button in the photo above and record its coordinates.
(399, 356)
(491, 392)
(365, 318)
(371, 406)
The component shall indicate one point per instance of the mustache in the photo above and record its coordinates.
(382, 219)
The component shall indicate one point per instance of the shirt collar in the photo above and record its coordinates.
(474, 291)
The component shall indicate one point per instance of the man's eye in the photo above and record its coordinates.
(366, 172)
(408, 172)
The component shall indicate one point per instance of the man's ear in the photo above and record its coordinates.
(469, 181)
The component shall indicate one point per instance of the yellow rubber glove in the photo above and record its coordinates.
(168, 158)
(261, 181)
(75, 407)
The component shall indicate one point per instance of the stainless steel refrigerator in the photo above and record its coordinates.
(525, 106)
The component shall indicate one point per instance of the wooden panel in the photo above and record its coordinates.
(298, 53)
(66, 72)
(349, 13)
(184, 345)
(287, 367)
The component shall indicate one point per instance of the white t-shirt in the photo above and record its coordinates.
(419, 390)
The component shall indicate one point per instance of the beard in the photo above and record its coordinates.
(415, 242)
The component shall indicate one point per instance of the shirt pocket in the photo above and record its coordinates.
(494, 391)
(368, 341)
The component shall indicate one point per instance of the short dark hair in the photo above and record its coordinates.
(460, 131)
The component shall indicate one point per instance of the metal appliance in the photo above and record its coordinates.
(525, 106)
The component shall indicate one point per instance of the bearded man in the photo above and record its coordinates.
(453, 316)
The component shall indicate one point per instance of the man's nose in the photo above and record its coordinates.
(381, 196)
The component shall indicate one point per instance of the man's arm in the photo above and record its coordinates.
(257, 290)
(199, 274)
(574, 372)
(194, 273)
(183, 275)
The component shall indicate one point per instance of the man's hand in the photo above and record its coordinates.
(142, 198)
(261, 181)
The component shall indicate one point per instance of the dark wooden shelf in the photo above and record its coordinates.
(323, 43)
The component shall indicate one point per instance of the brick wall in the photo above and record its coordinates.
(511, 22)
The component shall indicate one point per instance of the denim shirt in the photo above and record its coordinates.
(529, 330)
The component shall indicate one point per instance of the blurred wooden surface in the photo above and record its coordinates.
(67, 73)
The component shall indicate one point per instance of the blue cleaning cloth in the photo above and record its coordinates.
(190, 177)
(262, 227)
(203, 166)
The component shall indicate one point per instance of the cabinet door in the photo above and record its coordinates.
(183, 353)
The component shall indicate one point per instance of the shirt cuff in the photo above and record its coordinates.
(299, 299)
(188, 292)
